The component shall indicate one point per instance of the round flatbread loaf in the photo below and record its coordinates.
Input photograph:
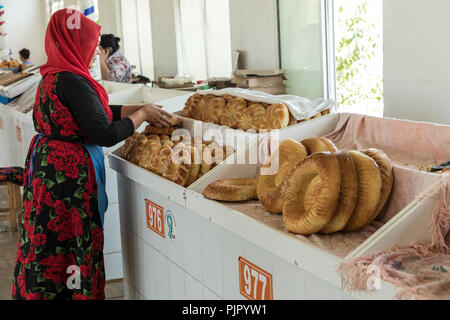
(347, 196)
(319, 144)
(277, 116)
(387, 177)
(269, 188)
(369, 190)
(232, 190)
(312, 194)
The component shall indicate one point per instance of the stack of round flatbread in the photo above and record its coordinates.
(239, 113)
(316, 187)
(180, 159)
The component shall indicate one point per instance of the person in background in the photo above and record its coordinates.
(24, 56)
(115, 67)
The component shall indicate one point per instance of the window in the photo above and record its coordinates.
(301, 47)
(55, 5)
(334, 49)
(358, 27)
(204, 41)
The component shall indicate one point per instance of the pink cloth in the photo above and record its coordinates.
(421, 270)
(407, 143)
(358, 132)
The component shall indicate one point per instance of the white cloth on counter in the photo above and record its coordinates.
(25, 102)
(301, 108)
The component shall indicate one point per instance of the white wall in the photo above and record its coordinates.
(109, 17)
(254, 32)
(162, 32)
(26, 23)
(417, 60)
(164, 38)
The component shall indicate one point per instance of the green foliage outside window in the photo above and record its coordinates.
(359, 53)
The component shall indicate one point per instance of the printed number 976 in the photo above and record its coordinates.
(155, 215)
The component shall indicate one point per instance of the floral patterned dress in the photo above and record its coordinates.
(119, 68)
(60, 253)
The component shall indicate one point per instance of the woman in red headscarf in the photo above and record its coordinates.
(60, 254)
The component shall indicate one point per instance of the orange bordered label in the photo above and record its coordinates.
(155, 217)
(254, 282)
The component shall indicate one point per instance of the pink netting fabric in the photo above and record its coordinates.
(421, 270)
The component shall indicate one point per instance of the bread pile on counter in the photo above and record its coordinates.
(180, 159)
(5, 64)
(238, 113)
(316, 187)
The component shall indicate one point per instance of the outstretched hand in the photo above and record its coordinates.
(156, 116)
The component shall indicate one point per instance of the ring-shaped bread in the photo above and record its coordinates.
(387, 176)
(290, 155)
(232, 190)
(347, 196)
(319, 144)
(369, 190)
(312, 193)
(270, 194)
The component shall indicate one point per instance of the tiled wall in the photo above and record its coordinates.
(113, 248)
(202, 262)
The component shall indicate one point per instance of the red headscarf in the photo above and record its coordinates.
(70, 43)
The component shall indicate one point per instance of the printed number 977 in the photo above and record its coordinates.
(251, 274)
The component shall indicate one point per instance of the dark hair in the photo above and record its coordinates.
(109, 40)
(25, 53)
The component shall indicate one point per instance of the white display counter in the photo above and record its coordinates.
(15, 137)
(112, 87)
(143, 94)
(7, 137)
(24, 128)
(212, 240)
(124, 94)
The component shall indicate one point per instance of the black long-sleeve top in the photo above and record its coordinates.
(79, 96)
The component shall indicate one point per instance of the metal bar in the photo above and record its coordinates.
(329, 54)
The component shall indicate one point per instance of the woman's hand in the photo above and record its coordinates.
(104, 54)
(151, 113)
(157, 117)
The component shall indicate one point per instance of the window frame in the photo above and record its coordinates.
(329, 51)
(328, 48)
